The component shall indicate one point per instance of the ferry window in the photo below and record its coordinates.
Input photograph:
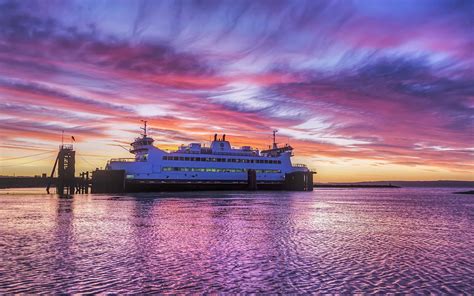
(175, 158)
(165, 158)
(181, 158)
(186, 158)
(214, 159)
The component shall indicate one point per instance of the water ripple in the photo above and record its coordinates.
(328, 241)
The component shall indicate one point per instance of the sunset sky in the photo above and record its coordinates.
(363, 90)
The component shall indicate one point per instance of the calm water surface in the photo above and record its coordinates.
(329, 240)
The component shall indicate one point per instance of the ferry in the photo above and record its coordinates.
(218, 166)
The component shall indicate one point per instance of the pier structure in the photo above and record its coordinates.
(66, 165)
(83, 183)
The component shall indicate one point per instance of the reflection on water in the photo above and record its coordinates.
(332, 240)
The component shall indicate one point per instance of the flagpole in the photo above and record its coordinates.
(62, 138)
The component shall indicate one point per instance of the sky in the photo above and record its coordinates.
(363, 90)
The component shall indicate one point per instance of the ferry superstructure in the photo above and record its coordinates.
(195, 164)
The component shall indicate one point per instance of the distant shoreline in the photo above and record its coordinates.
(353, 186)
(395, 184)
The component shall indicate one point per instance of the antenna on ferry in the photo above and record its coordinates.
(144, 128)
(274, 139)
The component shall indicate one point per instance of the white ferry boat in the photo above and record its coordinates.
(194, 166)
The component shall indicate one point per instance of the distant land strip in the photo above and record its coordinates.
(355, 186)
(395, 184)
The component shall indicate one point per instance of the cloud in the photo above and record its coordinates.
(363, 80)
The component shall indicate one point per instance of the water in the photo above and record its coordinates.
(329, 240)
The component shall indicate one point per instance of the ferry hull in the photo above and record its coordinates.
(158, 186)
(113, 181)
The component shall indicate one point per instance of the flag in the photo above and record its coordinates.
(72, 137)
